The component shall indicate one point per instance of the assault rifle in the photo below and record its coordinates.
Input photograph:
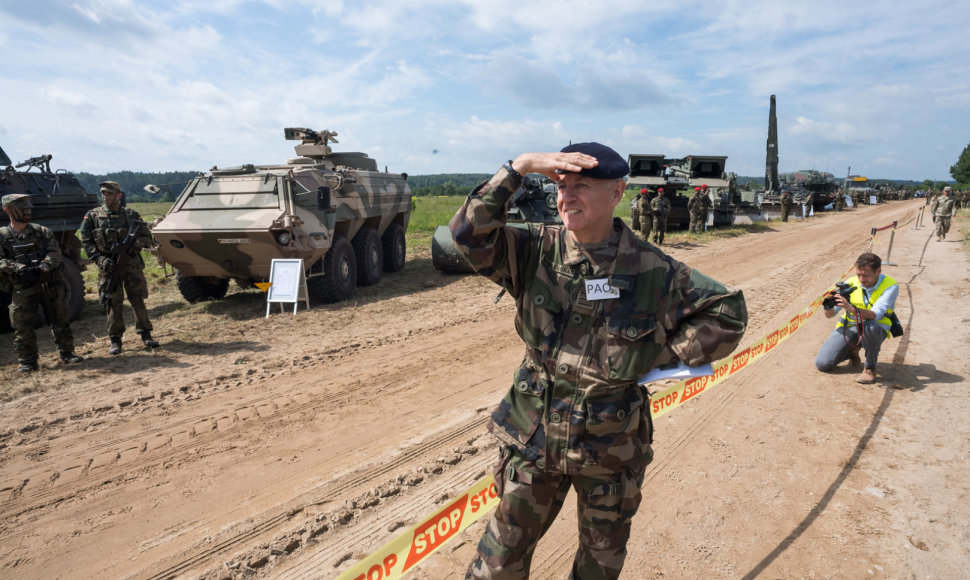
(118, 254)
(26, 254)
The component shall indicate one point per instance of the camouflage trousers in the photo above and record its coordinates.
(659, 228)
(646, 226)
(784, 213)
(134, 285)
(697, 221)
(942, 225)
(531, 500)
(23, 318)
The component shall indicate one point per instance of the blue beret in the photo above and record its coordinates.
(611, 165)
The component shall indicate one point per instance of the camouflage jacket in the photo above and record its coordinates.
(103, 228)
(699, 203)
(643, 204)
(660, 206)
(944, 206)
(43, 248)
(574, 405)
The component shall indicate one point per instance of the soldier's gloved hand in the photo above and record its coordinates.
(107, 264)
(44, 267)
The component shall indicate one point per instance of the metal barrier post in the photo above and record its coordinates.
(919, 218)
(889, 252)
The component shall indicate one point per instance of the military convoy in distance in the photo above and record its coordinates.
(680, 176)
(59, 202)
(334, 210)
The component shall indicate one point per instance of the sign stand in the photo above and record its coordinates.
(287, 284)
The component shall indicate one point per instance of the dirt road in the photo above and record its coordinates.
(292, 447)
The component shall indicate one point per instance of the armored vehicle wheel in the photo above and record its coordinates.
(395, 248)
(339, 274)
(196, 288)
(367, 248)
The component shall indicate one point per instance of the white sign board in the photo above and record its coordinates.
(288, 284)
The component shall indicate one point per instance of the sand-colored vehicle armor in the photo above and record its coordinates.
(335, 211)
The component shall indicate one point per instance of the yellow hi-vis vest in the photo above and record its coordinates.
(859, 301)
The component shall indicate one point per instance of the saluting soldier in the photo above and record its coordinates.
(30, 259)
(102, 231)
(597, 309)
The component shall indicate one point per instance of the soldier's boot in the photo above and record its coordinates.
(146, 338)
(115, 347)
(69, 358)
(27, 367)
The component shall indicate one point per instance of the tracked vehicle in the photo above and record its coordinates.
(333, 210)
(59, 202)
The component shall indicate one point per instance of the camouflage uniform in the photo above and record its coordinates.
(575, 415)
(26, 295)
(635, 214)
(785, 205)
(660, 207)
(646, 217)
(100, 231)
(941, 215)
(698, 205)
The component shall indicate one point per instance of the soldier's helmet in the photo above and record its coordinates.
(109, 187)
(17, 199)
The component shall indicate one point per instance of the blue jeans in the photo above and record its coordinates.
(836, 347)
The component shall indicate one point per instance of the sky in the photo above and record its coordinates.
(461, 86)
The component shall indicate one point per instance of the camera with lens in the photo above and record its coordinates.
(843, 289)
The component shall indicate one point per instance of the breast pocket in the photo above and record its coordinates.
(537, 322)
(633, 343)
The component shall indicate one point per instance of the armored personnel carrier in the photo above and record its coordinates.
(533, 202)
(59, 202)
(334, 210)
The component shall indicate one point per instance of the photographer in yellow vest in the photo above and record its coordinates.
(863, 304)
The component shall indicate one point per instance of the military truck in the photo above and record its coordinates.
(679, 177)
(533, 202)
(59, 202)
(334, 210)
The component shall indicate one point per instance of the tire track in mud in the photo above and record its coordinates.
(334, 492)
(96, 463)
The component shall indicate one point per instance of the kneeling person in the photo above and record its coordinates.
(863, 319)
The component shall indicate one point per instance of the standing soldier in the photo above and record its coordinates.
(30, 270)
(941, 214)
(785, 205)
(646, 214)
(807, 205)
(102, 231)
(597, 310)
(934, 203)
(698, 213)
(659, 207)
(635, 212)
(839, 200)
